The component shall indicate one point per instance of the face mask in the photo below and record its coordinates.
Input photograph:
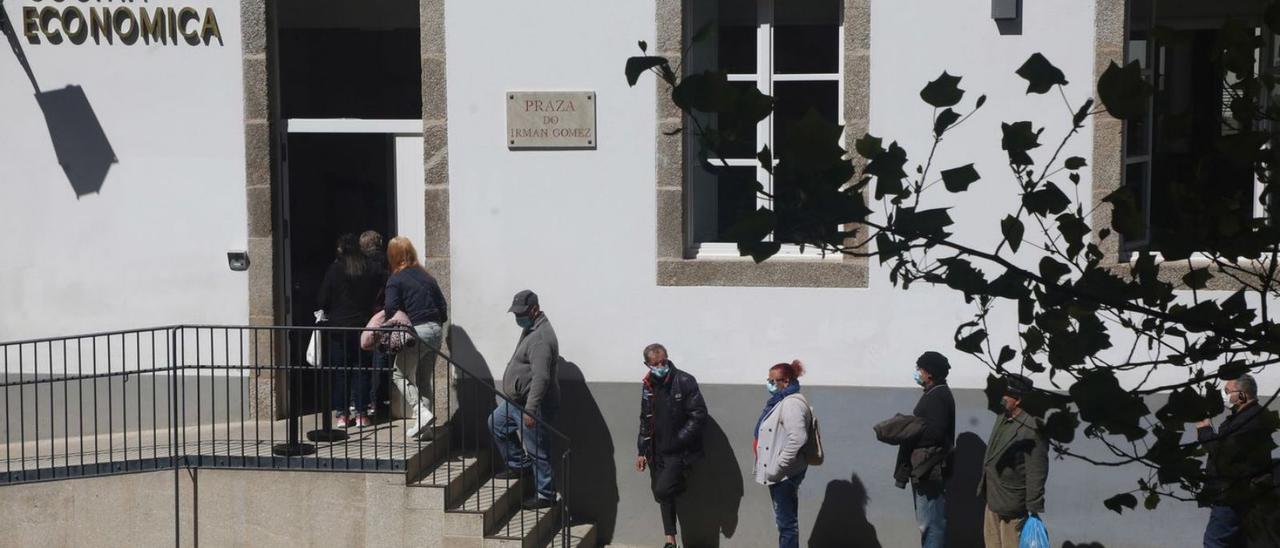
(524, 322)
(659, 371)
(919, 380)
(771, 388)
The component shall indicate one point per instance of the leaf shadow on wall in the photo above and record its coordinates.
(79, 141)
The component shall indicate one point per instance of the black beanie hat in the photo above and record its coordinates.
(934, 364)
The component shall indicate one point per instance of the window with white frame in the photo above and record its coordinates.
(791, 50)
(1179, 48)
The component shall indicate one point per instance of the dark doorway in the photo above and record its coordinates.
(337, 183)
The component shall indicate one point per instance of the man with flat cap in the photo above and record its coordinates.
(530, 381)
(925, 460)
(1014, 469)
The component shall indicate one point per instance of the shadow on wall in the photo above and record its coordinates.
(592, 488)
(708, 509)
(964, 507)
(1070, 544)
(842, 519)
(78, 140)
(473, 388)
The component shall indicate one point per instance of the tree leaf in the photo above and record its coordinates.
(971, 343)
(1061, 426)
(868, 146)
(958, 179)
(943, 92)
(944, 121)
(1119, 502)
(1197, 278)
(765, 158)
(1083, 113)
(1018, 138)
(638, 65)
(644, 46)
(1048, 200)
(1051, 270)
(1124, 91)
(1006, 355)
(1013, 231)
(1075, 162)
(1041, 75)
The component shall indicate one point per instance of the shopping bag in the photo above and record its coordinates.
(315, 347)
(1033, 534)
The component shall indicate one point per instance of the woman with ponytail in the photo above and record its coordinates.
(782, 433)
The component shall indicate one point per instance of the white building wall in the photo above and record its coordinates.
(579, 227)
(150, 247)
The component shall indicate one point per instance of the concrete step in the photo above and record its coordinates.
(580, 536)
(459, 475)
(532, 528)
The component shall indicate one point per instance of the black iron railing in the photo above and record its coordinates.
(246, 397)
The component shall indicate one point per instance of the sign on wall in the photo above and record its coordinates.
(551, 120)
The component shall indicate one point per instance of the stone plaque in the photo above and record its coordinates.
(551, 120)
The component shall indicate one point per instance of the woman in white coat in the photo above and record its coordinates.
(781, 434)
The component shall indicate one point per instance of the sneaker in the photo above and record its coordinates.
(340, 421)
(364, 420)
(535, 503)
(669, 545)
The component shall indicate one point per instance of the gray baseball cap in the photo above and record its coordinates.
(523, 301)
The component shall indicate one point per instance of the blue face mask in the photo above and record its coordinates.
(771, 388)
(659, 371)
(919, 380)
(524, 322)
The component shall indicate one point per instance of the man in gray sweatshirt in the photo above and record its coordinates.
(530, 382)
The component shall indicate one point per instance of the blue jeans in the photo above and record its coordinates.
(786, 510)
(931, 512)
(506, 424)
(1224, 529)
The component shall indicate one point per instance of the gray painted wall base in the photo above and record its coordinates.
(850, 501)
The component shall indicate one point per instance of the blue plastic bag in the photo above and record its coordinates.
(1033, 534)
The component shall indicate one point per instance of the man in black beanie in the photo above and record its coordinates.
(926, 459)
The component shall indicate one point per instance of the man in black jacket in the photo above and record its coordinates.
(672, 417)
(1239, 462)
(924, 460)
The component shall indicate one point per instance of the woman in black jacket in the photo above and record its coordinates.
(350, 286)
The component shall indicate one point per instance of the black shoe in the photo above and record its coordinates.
(509, 474)
(669, 545)
(535, 503)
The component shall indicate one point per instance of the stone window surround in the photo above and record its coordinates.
(262, 129)
(1108, 153)
(674, 267)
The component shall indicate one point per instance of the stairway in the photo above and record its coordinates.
(488, 507)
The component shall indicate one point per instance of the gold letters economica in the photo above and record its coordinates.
(153, 25)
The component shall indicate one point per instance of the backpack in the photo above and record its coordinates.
(812, 450)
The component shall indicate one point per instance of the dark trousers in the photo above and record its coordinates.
(667, 479)
(1225, 529)
(349, 384)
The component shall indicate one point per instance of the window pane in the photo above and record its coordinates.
(811, 49)
(806, 37)
(1135, 178)
(735, 197)
(793, 100)
(739, 135)
(736, 36)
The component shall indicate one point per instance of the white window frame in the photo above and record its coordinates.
(764, 79)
